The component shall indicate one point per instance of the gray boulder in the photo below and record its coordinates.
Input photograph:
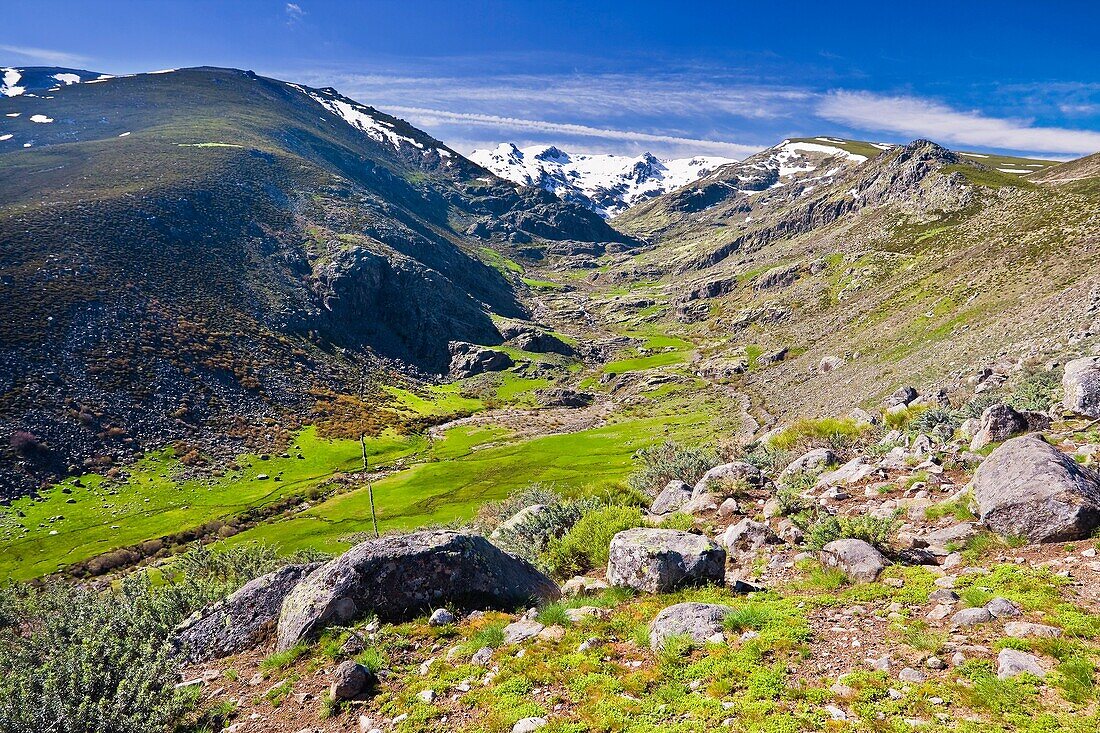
(700, 621)
(814, 460)
(672, 498)
(1081, 382)
(999, 423)
(728, 473)
(659, 560)
(242, 621)
(1013, 662)
(746, 538)
(903, 396)
(971, 617)
(858, 560)
(350, 680)
(399, 577)
(1028, 488)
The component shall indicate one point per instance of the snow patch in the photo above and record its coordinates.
(974, 155)
(359, 117)
(67, 79)
(1014, 170)
(41, 118)
(6, 137)
(9, 80)
(13, 114)
(124, 134)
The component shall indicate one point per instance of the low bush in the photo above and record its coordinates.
(585, 546)
(827, 432)
(669, 462)
(873, 530)
(529, 537)
(1037, 392)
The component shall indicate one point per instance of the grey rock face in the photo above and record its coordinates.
(999, 423)
(1013, 662)
(470, 359)
(856, 558)
(1027, 488)
(728, 473)
(563, 397)
(243, 620)
(1081, 382)
(398, 577)
(700, 621)
(777, 277)
(672, 497)
(659, 560)
(1024, 630)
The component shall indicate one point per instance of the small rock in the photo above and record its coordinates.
(529, 725)
(1023, 630)
(1002, 608)
(912, 675)
(441, 617)
(1013, 662)
(971, 617)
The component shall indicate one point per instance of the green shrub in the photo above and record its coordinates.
(977, 405)
(585, 546)
(669, 462)
(936, 420)
(79, 659)
(873, 530)
(1037, 392)
(826, 432)
(529, 537)
(554, 614)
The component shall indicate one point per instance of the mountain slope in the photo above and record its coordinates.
(208, 245)
(917, 265)
(607, 184)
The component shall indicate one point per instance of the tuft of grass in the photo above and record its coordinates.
(372, 658)
(279, 693)
(1074, 678)
(752, 616)
(919, 636)
(554, 614)
(284, 659)
(829, 432)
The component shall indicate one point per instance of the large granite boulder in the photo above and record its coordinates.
(700, 621)
(1028, 488)
(660, 560)
(243, 620)
(399, 577)
(858, 560)
(1081, 382)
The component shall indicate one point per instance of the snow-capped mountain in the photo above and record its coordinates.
(607, 184)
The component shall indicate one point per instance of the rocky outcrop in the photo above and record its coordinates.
(468, 360)
(1027, 488)
(728, 474)
(857, 559)
(395, 577)
(660, 560)
(813, 460)
(700, 621)
(672, 497)
(564, 397)
(777, 277)
(999, 423)
(1081, 382)
(243, 620)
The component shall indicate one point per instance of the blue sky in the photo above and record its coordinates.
(720, 78)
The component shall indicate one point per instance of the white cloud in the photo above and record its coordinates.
(294, 13)
(436, 117)
(915, 117)
(46, 56)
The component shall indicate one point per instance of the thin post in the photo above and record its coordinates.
(370, 487)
